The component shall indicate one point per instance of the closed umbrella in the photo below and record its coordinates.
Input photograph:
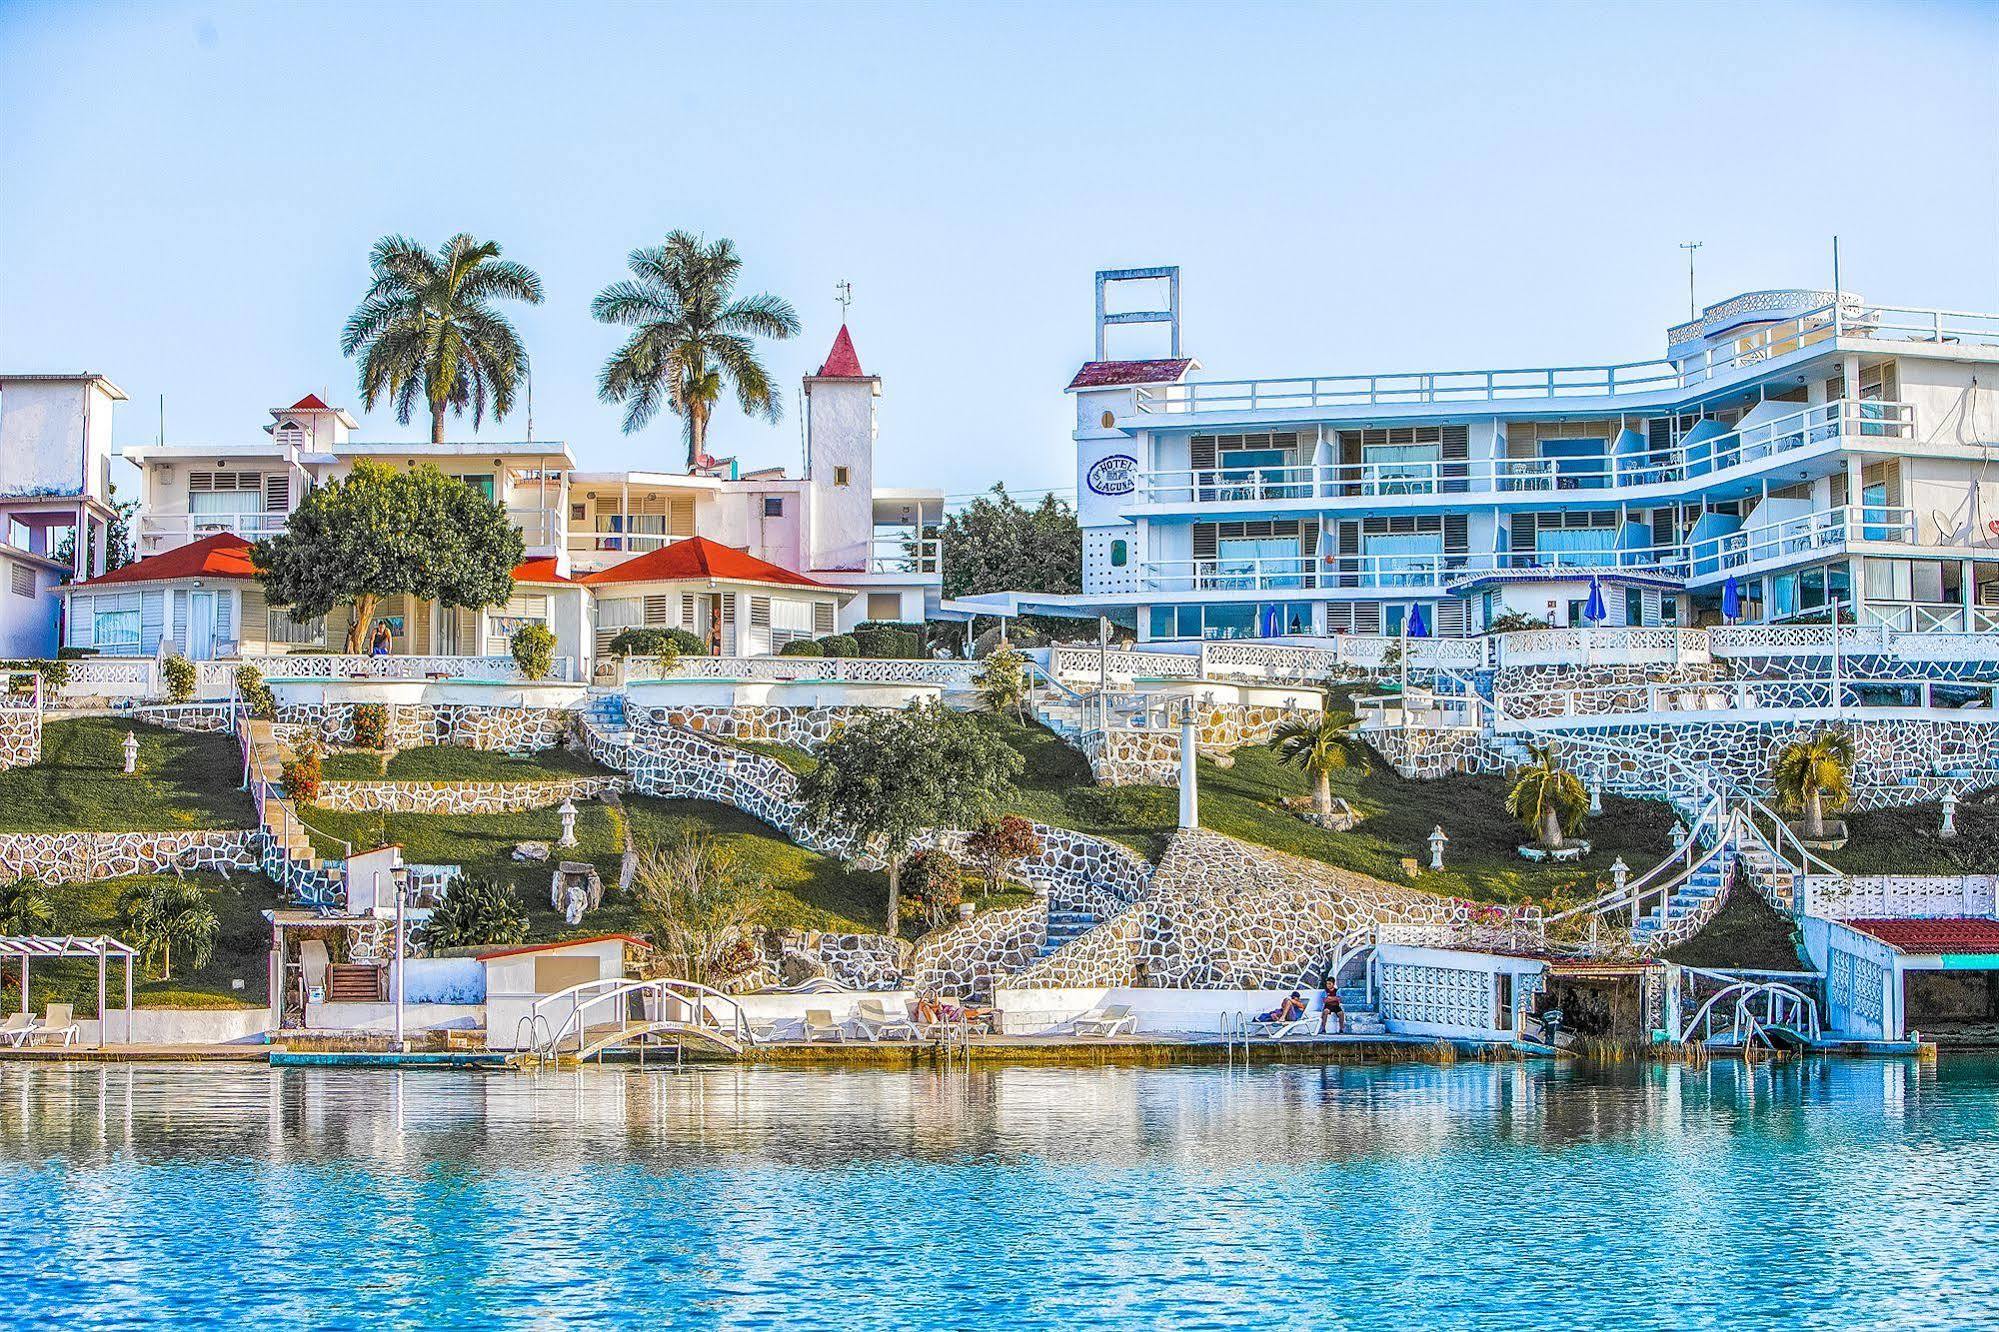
(1731, 600)
(1273, 621)
(1593, 608)
(1417, 627)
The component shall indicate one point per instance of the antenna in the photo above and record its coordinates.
(1835, 272)
(530, 404)
(1690, 247)
(163, 421)
(843, 292)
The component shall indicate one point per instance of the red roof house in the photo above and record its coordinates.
(1929, 937)
(698, 559)
(224, 555)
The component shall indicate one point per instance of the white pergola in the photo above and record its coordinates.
(103, 947)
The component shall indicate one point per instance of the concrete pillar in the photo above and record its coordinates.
(1190, 799)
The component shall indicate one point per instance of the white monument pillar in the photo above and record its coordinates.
(1190, 798)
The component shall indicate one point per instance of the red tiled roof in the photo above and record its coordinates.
(311, 402)
(561, 943)
(841, 362)
(1948, 934)
(224, 555)
(697, 558)
(1112, 374)
(540, 570)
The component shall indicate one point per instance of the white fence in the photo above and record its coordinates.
(1660, 646)
(1665, 645)
(1899, 896)
(951, 674)
(139, 677)
(1287, 663)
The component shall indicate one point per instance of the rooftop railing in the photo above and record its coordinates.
(1726, 357)
(906, 555)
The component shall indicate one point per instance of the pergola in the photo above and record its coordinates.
(103, 947)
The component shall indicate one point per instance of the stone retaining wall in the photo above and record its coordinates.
(969, 957)
(803, 728)
(418, 725)
(1421, 755)
(461, 797)
(198, 718)
(1125, 755)
(81, 857)
(20, 737)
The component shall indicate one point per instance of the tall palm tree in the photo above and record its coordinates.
(1321, 744)
(1815, 775)
(427, 331)
(1548, 799)
(691, 337)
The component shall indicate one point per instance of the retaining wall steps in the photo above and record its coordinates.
(1066, 927)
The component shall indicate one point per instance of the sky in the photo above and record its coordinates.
(188, 193)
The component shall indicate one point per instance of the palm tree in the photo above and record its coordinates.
(166, 914)
(1546, 797)
(426, 330)
(1815, 775)
(25, 908)
(1321, 745)
(690, 337)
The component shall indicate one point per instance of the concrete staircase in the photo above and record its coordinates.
(604, 713)
(1691, 894)
(1361, 1016)
(1065, 927)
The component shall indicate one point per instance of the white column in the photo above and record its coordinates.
(1190, 799)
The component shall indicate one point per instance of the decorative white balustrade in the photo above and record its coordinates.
(1900, 896)
(1798, 694)
(139, 677)
(1634, 646)
(1266, 661)
(861, 670)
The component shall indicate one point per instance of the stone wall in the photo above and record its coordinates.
(1128, 755)
(462, 797)
(80, 857)
(802, 728)
(1421, 755)
(970, 957)
(417, 725)
(20, 737)
(198, 718)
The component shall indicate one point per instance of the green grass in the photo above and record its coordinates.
(1244, 801)
(790, 756)
(183, 781)
(482, 843)
(241, 950)
(457, 764)
(1746, 932)
(1905, 841)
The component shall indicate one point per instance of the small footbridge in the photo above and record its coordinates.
(585, 1021)
(1750, 1012)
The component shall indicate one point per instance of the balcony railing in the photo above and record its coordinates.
(1807, 534)
(165, 531)
(1684, 462)
(585, 542)
(1427, 571)
(1813, 327)
(906, 555)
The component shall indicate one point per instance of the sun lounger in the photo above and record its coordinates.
(1110, 1020)
(1275, 1030)
(17, 1028)
(58, 1021)
(820, 1026)
(873, 1023)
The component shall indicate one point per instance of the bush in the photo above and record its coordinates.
(1001, 844)
(475, 911)
(255, 693)
(74, 653)
(933, 884)
(801, 647)
(885, 640)
(657, 643)
(300, 774)
(533, 647)
(839, 645)
(178, 674)
(371, 725)
(55, 674)
(1513, 622)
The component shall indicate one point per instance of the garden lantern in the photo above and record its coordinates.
(1437, 840)
(131, 748)
(1619, 873)
(1949, 828)
(568, 813)
(1595, 799)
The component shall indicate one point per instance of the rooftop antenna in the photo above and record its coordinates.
(1835, 272)
(163, 421)
(843, 292)
(530, 403)
(1690, 247)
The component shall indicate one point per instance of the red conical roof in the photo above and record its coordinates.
(698, 558)
(311, 402)
(841, 362)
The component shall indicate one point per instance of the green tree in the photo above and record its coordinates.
(161, 915)
(381, 532)
(1003, 685)
(473, 912)
(1815, 775)
(890, 777)
(25, 908)
(695, 901)
(1546, 797)
(427, 331)
(994, 544)
(691, 337)
(1320, 743)
(533, 649)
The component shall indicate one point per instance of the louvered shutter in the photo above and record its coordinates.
(1455, 451)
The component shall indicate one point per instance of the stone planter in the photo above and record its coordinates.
(1834, 839)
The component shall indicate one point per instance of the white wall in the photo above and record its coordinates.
(44, 447)
(27, 624)
(840, 432)
(382, 1017)
(1037, 1012)
(180, 1026)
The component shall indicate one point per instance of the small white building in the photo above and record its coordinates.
(517, 977)
(55, 488)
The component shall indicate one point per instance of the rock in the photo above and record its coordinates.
(531, 851)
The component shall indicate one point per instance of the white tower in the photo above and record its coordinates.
(840, 458)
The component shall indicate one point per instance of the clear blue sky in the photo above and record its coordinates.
(188, 193)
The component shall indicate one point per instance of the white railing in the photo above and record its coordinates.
(1825, 530)
(948, 672)
(906, 555)
(1635, 645)
(1428, 572)
(1530, 707)
(540, 528)
(1899, 896)
(695, 1007)
(586, 541)
(158, 531)
(389, 666)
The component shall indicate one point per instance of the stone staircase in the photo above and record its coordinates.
(1693, 893)
(1362, 1018)
(604, 713)
(1065, 927)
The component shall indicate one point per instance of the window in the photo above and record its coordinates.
(482, 482)
(21, 577)
(1576, 616)
(759, 612)
(885, 606)
(1669, 610)
(1634, 606)
(1405, 560)
(116, 631)
(1579, 463)
(1120, 552)
(822, 618)
(773, 506)
(280, 627)
(839, 476)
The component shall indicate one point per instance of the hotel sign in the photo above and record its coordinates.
(1113, 474)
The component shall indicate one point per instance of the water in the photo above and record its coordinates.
(1829, 1193)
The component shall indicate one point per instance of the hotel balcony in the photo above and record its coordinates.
(908, 557)
(155, 532)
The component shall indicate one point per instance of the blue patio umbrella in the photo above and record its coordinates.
(1731, 600)
(1273, 621)
(1417, 627)
(1593, 608)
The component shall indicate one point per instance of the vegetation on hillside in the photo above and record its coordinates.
(442, 763)
(182, 781)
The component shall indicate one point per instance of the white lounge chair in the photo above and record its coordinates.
(1259, 1029)
(1110, 1020)
(873, 1022)
(820, 1026)
(58, 1020)
(17, 1028)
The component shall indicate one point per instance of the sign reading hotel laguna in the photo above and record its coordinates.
(1113, 474)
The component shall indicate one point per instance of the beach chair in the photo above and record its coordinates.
(17, 1028)
(873, 1023)
(1110, 1020)
(820, 1026)
(58, 1020)
(1273, 1030)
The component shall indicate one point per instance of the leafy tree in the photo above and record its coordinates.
(473, 912)
(256, 695)
(1321, 744)
(696, 901)
(1003, 685)
(1000, 845)
(1815, 775)
(427, 332)
(994, 544)
(1546, 797)
(25, 908)
(381, 532)
(533, 648)
(669, 645)
(934, 884)
(691, 337)
(891, 776)
(161, 915)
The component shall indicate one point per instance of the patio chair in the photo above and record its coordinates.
(17, 1028)
(820, 1026)
(1110, 1020)
(1275, 1030)
(873, 1022)
(58, 1020)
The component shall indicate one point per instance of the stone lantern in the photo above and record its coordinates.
(131, 748)
(1620, 873)
(1949, 828)
(1595, 799)
(1437, 840)
(568, 813)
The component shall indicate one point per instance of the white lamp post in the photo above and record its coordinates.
(131, 748)
(1437, 840)
(1949, 828)
(568, 813)
(402, 899)
(1595, 799)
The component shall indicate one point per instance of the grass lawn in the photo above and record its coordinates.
(482, 843)
(1746, 932)
(456, 764)
(1905, 841)
(241, 949)
(790, 756)
(183, 781)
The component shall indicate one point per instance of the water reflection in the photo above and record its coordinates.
(1660, 1195)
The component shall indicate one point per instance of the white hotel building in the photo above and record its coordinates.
(1814, 451)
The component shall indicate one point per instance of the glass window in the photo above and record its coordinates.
(1669, 610)
(1576, 616)
(1241, 560)
(1926, 580)
(1119, 554)
(483, 483)
(1839, 585)
(1162, 622)
(1579, 463)
(1811, 587)
(115, 630)
(1874, 514)
(1407, 560)
(1784, 595)
(1229, 621)
(1634, 606)
(839, 476)
(1391, 618)
(773, 506)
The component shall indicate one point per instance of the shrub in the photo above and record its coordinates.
(657, 643)
(311, 652)
(475, 911)
(1001, 844)
(881, 639)
(255, 693)
(371, 725)
(1513, 622)
(178, 674)
(300, 774)
(533, 647)
(1003, 684)
(74, 653)
(55, 674)
(839, 645)
(933, 884)
(801, 647)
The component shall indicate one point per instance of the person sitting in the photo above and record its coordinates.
(1331, 1009)
(926, 1011)
(1290, 1010)
(382, 641)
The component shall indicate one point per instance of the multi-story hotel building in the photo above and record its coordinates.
(1792, 452)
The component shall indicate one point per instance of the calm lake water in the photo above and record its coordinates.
(1830, 1193)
